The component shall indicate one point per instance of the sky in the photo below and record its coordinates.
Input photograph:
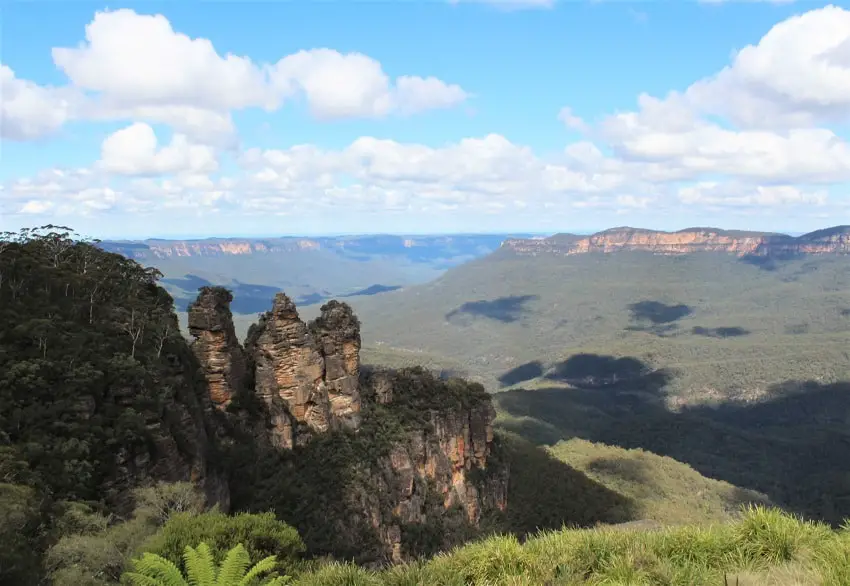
(184, 119)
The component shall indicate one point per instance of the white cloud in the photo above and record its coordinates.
(570, 120)
(29, 111)
(757, 119)
(134, 150)
(139, 60)
(137, 67)
(355, 85)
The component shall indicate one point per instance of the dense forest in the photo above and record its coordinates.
(90, 355)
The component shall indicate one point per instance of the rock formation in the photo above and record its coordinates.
(831, 240)
(216, 345)
(437, 457)
(307, 376)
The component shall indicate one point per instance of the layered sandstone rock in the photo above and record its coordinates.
(216, 345)
(448, 460)
(307, 376)
(832, 240)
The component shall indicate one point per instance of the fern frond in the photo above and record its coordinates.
(137, 579)
(233, 567)
(158, 568)
(200, 566)
(261, 567)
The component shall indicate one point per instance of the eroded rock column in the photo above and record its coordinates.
(216, 345)
(337, 332)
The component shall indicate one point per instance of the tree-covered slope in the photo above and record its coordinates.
(98, 390)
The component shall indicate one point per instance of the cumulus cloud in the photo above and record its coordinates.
(134, 150)
(137, 67)
(762, 119)
(355, 85)
(29, 111)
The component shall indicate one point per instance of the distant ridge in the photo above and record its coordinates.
(835, 240)
(374, 244)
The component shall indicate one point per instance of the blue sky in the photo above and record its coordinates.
(183, 119)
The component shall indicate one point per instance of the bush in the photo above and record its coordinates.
(261, 534)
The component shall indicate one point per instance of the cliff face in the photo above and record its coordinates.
(830, 241)
(425, 445)
(445, 464)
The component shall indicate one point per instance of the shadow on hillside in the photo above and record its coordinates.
(721, 332)
(503, 309)
(522, 373)
(789, 447)
(593, 371)
(656, 317)
(545, 493)
(373, 290)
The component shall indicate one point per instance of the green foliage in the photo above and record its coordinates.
(261, 534)
(765, 546)
(90, 355)
(94, 549)
(201, 569)
(20, 535)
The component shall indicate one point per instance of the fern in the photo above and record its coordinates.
(201, 569)
(153, 570)
(234, 566)
(200, 566)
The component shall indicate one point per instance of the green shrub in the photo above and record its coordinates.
(261, 534)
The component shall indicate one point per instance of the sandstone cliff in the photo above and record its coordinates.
(829, 241)
(445, 464)
(361, 455)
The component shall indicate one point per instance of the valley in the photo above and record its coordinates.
(664, 393)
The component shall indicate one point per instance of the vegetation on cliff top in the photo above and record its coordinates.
(90, 354)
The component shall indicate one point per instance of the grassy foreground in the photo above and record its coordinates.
(764, 547)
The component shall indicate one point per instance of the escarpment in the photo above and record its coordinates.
(834, 240)
(361, 460)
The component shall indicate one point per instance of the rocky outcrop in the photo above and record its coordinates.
(216, 345)
(307, 376)
(829, 241)
(442, 465)
(426, 446)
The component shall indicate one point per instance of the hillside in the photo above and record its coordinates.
(738, 368)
